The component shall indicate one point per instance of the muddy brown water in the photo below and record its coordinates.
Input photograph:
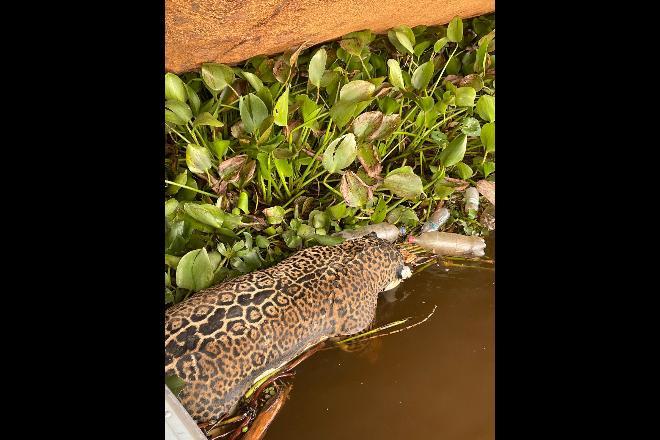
(434, 381)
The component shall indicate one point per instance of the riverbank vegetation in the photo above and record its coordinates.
(279, 153)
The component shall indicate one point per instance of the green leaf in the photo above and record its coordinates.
(465, 96)
(261, 242)
(342, 112)
(181, 179)
(175, 384)
(380, 211)
(489, 167)
(440, 44)
(366, 123)
(274, 215)
(220, 147)
(482, 51)
(194, 271)
(355, 192)
(404, 183)
(170, 207)
(405, 41)
(198, 159)
(488, 136)
(486, 107)
(386, 128)
(243, 202)
(340, 153)
(217, 76)
(207, 214)
(317, 67)
(455, 30)
(471, 127)
(403, 215)
(338, 212)
(422, 75)
(357, 90)
(193, 99)
(281, 110)
(254, 81)
(421, 47)
(253, 112)
(454, 152)
(207, 119)
(395, 75)
(180, 109)
(174, 88)
(464, 171)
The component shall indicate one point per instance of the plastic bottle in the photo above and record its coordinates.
(471, 199)
(446, 243)
(437, 219)
(386, 231)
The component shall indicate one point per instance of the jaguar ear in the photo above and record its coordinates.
(372, 234)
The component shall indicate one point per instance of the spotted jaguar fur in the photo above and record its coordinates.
(223, 338)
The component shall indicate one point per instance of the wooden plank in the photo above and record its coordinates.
(229, 31)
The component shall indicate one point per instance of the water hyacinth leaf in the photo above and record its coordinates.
(274, 215)
(386, 128)
(482, 51)
(465, 96)
(440, 44)
(340, 153)
(170, 116)
(395, 75)
(421, 47)
(455, 30)
(281, 110)
(454, 152)
(338, 212)
(198, 159)
(253, 112)
(366, 123)
(404, 183)
(243, 202)
(453, 66)
(488, 137)
(342, 112)
(220, 147)
(217, 76)
(180, 109)
(471, 127)
(291, 239)
(284, 167)
(380, 211)
(488, 167)
(463, 170)
(368, 157)
(207, 214)
(317, 67)
(254, 81)
(405, 41)
(181, 179)
(319, 219)
(486, 107)
(422, 75)
(403, 215)
(194, 270)
(351, 45)
(358, 90)
(174, 88)
(472, 80)
(170, 207)
(193, 100)
(356, 193)
(207, 119)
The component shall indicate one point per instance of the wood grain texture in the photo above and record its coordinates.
(229, 31)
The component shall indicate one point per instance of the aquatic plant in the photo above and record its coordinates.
(281, 152)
